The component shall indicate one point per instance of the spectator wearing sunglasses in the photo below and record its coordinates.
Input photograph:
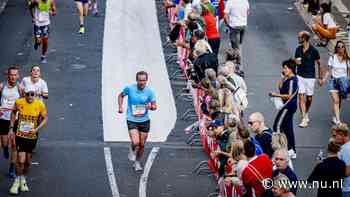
(338, 70)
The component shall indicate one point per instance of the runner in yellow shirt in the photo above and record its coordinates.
(32, 116)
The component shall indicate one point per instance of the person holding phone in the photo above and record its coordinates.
(288, 93)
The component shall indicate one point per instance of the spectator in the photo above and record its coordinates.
(281, 187)
(341, 136)
(329, 172)
(226, 97)
(263, 134)
(306, 55)
(288, 93)
(258, 169)
(211, 75)
(210, 6)
(312, 6)
(236, 14)
(324, 25)
(338, 68)
(237, 86)
(211, 30)
(281, 160)
(204, 60)
(245, 136)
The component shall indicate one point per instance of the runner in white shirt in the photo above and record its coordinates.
(41, 11)
(10, 91)
(36, 82)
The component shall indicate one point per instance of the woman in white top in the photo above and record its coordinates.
(325, 26)
(338, 67)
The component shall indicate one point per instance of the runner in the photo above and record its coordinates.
(140, 99)
(10, 92)
(83, 7)
(32, 116)
(40, 11)
(36, 82)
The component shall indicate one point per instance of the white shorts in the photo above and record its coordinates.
(306, 85)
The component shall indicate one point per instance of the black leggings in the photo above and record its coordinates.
(284, 123)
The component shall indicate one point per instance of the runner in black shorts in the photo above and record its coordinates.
(32, 116)
(9, 91)
(141, 99)
(83, 7)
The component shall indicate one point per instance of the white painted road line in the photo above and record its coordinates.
(132, 43)
(110, 172)
(144, 176)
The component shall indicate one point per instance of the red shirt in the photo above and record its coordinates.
(251, 180)
(210, 26)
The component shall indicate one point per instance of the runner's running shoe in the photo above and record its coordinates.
(82, 30)
(23, 185)
(43, 60)
(137, 166)
(14, 190)
(131, 155)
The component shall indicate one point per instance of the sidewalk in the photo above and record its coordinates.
(340, 9)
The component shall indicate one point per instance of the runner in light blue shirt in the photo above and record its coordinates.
(141, 99)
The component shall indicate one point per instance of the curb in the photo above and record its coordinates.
(341, 34)
(3, 5)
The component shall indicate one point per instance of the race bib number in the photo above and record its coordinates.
(5, 113)
(26, 127)
(138, 110)
(43, 16)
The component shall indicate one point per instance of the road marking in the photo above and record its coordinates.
(110, 172)
(144, 176)
(130, 28)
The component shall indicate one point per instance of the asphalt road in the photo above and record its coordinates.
(70, 156)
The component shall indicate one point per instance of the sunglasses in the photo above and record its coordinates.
(340, 47)
(251, 122)
(30, 94)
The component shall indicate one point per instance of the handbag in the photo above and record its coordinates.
(277, 102)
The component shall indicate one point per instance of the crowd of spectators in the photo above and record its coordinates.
(243, 156)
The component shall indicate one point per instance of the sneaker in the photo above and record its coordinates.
(303, 123)
(335, 121)
(137, 166)
(307, 119)
(95, 12)
(23, 185)
(6, 153)
(14, 190)
(36, 46)
(12, 171)
(292, 154)
(131, 155)
(82, 30)
(43, 60)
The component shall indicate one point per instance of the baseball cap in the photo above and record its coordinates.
(29, 89)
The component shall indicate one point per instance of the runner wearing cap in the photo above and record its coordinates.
(32, 116)
(140, 99)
